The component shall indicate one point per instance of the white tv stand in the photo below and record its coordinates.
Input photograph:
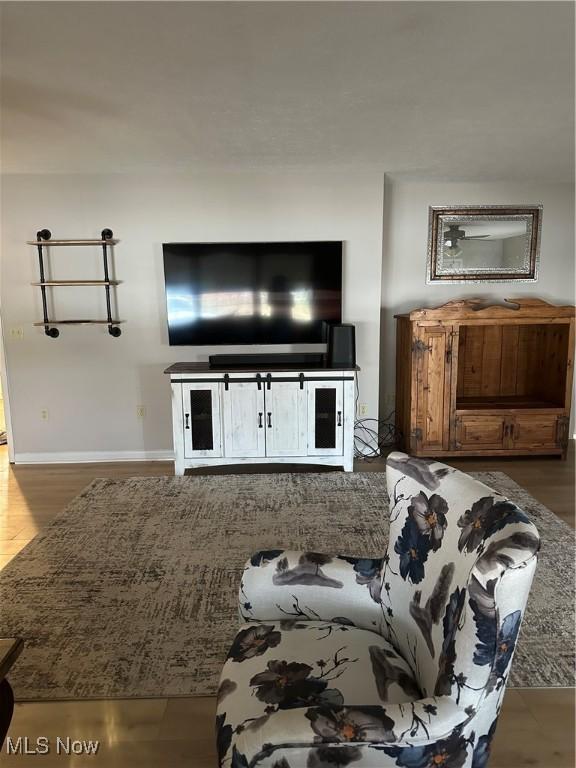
(280, 414)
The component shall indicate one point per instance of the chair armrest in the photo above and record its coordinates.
(386, 728)
(10, 649)
(307, 586)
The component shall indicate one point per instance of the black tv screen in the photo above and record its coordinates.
(252, 293)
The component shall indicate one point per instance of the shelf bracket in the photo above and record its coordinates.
(42, 236)
(107, 234)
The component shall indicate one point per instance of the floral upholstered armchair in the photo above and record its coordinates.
(400, 660)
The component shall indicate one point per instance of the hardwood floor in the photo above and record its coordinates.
(536, 728)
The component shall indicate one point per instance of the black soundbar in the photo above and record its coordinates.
(312, 359)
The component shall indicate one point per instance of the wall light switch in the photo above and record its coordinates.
(16, 334)
(363, 409)
(140, 411)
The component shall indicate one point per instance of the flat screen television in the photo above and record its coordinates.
(252, 293)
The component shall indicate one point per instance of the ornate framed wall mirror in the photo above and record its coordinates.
(483, 243)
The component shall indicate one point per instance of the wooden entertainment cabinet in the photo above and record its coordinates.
(476, 380)
(253, 415)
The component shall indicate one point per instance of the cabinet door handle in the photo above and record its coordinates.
(269, 419)
(260, 420)
(187, 417)
(339, 418)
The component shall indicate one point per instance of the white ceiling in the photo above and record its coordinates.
(452, 90)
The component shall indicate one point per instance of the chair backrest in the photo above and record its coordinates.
(456, 577)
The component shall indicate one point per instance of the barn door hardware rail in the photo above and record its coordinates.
(42, 242)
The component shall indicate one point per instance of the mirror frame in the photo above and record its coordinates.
(528, 273)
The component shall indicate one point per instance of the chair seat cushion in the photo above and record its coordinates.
(292, 663)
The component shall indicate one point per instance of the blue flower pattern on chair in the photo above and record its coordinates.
(495, 644)
(481, 753)
(368, 571)
(397, 661)
(445, 753)
(484, 518)
(421, 534)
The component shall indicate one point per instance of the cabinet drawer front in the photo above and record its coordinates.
(243, 411)
(325, 419)
(285, 419)
(536, 431)
(201, 411)
(476, 432)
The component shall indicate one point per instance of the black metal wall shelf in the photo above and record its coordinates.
(79, 282)
(43, 241)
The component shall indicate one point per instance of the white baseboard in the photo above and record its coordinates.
(97, 457)
(83, 457)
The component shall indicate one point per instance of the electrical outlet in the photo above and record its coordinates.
(17, 334)
(44, 414)
(363, 409)
(140, 411)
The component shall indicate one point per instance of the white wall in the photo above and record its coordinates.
(91, 383)
(405, 243)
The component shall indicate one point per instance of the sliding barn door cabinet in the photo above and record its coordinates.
(473, 380)
(256, 416)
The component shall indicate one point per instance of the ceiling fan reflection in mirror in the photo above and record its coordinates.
(455, 233)
(451, 248)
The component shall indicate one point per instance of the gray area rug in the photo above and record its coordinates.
(131, 591)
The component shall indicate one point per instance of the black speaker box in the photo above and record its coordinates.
(341, 346)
